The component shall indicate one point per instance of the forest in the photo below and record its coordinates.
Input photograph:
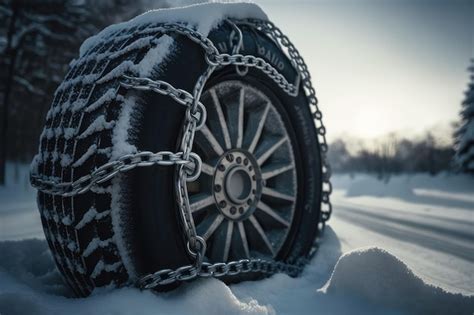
(40, 38)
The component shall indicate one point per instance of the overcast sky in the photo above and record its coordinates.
(382, 66)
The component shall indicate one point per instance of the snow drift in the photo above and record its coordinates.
(363, 281)
(378, 277)
(203, 17)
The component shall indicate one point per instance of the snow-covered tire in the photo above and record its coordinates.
(129, 226)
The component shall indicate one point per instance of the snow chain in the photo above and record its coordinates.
(189, 164)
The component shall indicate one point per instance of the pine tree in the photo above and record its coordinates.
(465, 134)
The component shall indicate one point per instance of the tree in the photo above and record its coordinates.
(38, 38)
(464, 157)
(32, 30)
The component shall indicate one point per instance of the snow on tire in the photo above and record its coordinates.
(128, 227)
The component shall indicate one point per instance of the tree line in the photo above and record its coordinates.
(393, 155)
(38, 39)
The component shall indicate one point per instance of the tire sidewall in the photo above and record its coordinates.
(156, 236)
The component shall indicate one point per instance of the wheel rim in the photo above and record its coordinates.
(244, 201)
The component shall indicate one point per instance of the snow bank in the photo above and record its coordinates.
(366, 281)
(203, 17)
(378, 277)
(403, 185)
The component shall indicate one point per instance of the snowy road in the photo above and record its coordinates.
(437, 242)
(428, 223)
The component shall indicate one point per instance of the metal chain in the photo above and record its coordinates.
(217, 270)
(276, 34)
(109, 170)
(189, 164)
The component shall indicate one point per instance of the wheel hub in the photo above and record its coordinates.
(243, 202)
(237, 184)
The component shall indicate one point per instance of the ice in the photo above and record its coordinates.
(203, 17)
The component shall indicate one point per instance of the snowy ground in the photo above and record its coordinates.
(405, 247)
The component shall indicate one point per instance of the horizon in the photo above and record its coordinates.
(410, 56)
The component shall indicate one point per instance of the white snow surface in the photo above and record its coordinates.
(402, 247)
(203, 17)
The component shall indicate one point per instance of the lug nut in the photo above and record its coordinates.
(229, 157)
(246, 161)
(221, 167)
(233, 210)
(222, 204)
(254, 191)
(249, 201)
(250, 168)
(254, 177)
(239, 159)
(241, 210)
(217, 188)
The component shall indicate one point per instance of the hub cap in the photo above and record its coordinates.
(244, 201)
(237, 185)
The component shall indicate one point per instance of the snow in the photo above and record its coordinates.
(155, 56)
(107, 97)
(402, 247)
(153, 60)
(94, 244)
(97, 125)
(203, 17)
(120, 137)
(89, 153)
(381, 278)
(90, 215)
(101, 266)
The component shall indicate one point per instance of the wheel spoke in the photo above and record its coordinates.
(240, 123)
(276, 194)
(207, 169)
(243, 238)
(222, 122)
(275, 170)
(213, 227)
(212, 140)
(228, 240)
(200, 201)
(265, 208)
(267, 153)
(258, 132)
(244, 120)
(262, 234)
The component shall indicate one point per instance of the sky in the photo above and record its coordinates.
(383, 66)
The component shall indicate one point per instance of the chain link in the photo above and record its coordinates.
(189, 164)
(218, 270)
(283, 41)
(109, 170)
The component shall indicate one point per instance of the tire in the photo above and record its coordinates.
(128, 226)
